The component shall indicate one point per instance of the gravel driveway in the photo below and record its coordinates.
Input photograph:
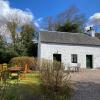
(87, 85)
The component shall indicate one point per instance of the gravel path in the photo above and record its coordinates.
(87, 85)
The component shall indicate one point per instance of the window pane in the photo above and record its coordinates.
(74, 58)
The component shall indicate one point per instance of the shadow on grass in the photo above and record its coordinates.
(23, 92)
(30, 92)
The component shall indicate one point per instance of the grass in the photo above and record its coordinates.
(26, 89)
(33, 78)
(32, 83)
(29, 88)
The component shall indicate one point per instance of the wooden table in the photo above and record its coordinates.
(16, 71)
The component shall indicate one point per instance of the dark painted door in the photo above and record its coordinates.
(57, 57)
(89, 61)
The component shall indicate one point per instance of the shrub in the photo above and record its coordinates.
(56, 83)
(7, 90)
(22, 61)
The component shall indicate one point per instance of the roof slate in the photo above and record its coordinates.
(68, 38)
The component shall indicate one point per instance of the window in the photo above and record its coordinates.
(57, 57)
(74, 58)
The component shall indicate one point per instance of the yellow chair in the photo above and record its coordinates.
(4, 67)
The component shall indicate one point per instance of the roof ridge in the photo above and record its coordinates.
(59, 32)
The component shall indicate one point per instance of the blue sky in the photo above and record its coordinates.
(33, 10)
(42, 8)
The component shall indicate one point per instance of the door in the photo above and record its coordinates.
(57, 57)
(89, 61)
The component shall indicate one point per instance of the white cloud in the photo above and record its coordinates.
(95, 19)
(39, 19)
(38, 22)
(8, 14)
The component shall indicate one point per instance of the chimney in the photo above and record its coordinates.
(90, 31)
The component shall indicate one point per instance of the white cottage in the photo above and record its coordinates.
(70, 48)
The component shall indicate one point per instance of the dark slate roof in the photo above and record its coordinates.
(97, 35)
(68, 38)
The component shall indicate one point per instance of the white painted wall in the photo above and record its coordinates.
(47, 50)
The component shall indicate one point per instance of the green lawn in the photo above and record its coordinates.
(31, 83)
(27, 88)
(31, 78)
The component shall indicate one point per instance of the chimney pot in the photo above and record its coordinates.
(90, 31)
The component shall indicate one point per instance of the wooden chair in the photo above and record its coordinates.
(74, 67)
(77, 68)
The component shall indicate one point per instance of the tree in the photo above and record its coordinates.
(6, 53)
(1, 42)
(12, 26)
(27, 36)
(20, 32)
(70, 20)
(22, 41)
(48, 23)
(2, 49)
(21, 35)
(16, 46)
(69, 27)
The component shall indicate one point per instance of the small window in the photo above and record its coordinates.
(57, 57)
(74, 58)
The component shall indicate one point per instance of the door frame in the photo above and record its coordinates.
(91, 60)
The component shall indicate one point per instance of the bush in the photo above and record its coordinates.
(22, 61)
(56, 83)
(7, 90)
